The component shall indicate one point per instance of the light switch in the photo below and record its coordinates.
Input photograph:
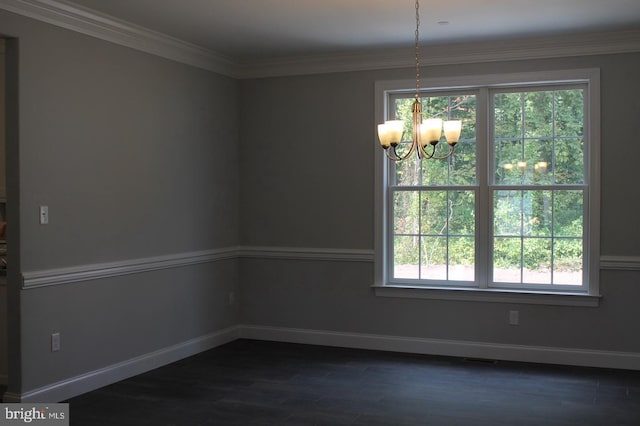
(44, 215)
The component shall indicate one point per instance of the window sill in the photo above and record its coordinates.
(488, 295)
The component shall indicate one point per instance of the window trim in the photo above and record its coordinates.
(590, 77)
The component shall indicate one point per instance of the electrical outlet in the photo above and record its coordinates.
(55, 342)
(514, 317)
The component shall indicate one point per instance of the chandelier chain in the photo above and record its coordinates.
(417, 50)
(425, 135)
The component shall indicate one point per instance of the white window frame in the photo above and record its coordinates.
(590, 297)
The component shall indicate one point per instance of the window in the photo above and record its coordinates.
(515, 209)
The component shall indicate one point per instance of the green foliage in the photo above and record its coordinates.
(539, 137)
(459, 169)
(538, 140)
(529, 227)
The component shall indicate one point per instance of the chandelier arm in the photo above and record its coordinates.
(447, 155)
(425, 154)
(396, 156)
(386, 151)
(393, 157)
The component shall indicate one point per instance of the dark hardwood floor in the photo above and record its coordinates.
(250, 382)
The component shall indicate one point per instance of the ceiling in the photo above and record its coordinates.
(253, 29)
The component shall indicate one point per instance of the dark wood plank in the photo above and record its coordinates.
(267, 383)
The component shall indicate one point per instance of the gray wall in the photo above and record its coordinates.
(135, 157)
(138, 157)
(307, 162)
(313, 187)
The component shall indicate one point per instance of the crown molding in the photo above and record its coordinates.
(105, 27)
(587, 44)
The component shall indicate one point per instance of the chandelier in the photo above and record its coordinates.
(427, 133)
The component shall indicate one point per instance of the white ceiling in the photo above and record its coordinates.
(253, 29)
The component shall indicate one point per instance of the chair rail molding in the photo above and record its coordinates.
(620, 263)
(58, 276)
(89, 272)
(304, 253)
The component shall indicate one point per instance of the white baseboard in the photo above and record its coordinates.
(92, 380)
(456, 348)
(87, 382)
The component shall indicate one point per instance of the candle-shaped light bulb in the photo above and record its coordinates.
(424, 137)
(452, 130)
(390, 133)
(431, 131)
